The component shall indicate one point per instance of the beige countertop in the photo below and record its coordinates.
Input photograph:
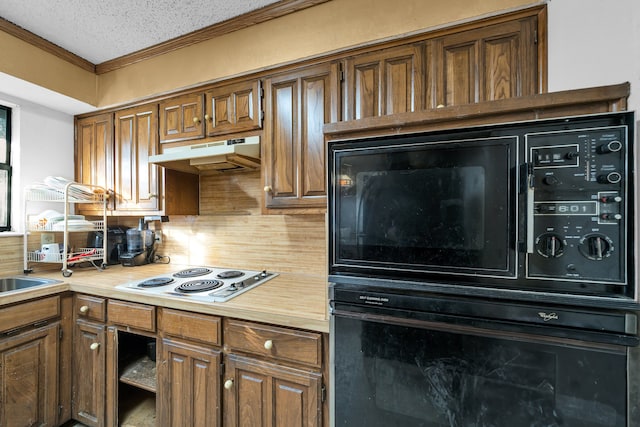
(290, 299)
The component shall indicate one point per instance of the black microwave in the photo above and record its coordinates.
(543, 206)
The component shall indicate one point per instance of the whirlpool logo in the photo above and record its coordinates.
(547, 316)
(374, 300)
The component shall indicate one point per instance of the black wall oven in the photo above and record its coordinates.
(485, 276)
(414, 360)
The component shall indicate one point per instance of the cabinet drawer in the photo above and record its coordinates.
(90, 308)
(193, 326)
(29, 313)
(272, 341)
(138, 316)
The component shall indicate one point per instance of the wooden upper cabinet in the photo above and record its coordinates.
(234, 108)
(118, 161)
(94, 154)
(138, 183)
(494, 62)
(221, 110)
(297, 105)
(384, 82)
(181, 118)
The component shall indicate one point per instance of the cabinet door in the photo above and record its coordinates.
(495, 62)
(181, 118)
(234, 108)
(94, 153)
(137, 182)
(385, 82)
(262, 394)
(29, 378)
(298, 104)
(188, 385)
(88, 382)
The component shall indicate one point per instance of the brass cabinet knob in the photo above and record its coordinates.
(440, 106)
(94, 346)
(84, 309)
(268, 189)
(268, 345)
(228, 384)
(196, 120)
(207, 117)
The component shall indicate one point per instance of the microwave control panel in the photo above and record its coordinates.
(577, 205)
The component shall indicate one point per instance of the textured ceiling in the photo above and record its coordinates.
(101, 30)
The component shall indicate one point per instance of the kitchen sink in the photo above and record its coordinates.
(15, 283)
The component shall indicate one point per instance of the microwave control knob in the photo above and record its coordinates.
(611, 199)
(595, 246)
(550, 245)
(611, 216)
(609, 147)
(610, 178)
(550, 180)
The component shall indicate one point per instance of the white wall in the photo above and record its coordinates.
(42, 145)
(594, 43)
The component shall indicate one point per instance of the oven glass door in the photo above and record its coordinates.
(416, 205)
(391, 375)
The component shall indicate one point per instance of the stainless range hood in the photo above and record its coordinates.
(217, 156)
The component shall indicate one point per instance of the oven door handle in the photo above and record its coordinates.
(482, 326)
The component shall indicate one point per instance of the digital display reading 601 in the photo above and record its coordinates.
(566, 208)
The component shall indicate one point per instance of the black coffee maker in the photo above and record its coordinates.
(141, 246)
(116, 242)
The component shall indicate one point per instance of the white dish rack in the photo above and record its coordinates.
(68, 193)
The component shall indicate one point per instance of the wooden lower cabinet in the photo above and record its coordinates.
(264, 394)
(89, 373)
(249, 374)
(29, 378)
(189, 384)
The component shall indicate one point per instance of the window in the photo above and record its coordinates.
(5, 168)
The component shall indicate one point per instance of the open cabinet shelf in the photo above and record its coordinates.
(140, 372)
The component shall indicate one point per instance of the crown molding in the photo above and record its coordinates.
(258, 16)
(45, 45)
